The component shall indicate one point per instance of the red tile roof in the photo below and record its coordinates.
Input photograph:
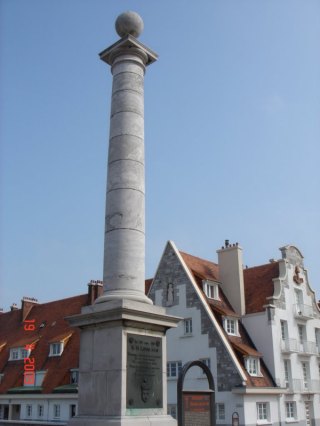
(259, 286)
(51, 316)
(202, 268)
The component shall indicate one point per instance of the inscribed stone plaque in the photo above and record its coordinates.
(144, 371)
(196, 409)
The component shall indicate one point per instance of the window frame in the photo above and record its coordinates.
(211, 289)
(187, 326)
(265, 412)
(292, 410)
(40, 410)
(173, 366)
(29, 411)
(53, 351)
(221, 414)
(249, 361)
(56, 411)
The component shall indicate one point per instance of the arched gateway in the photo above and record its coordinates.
(196, 407)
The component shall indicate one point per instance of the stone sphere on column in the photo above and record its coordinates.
(129, 23)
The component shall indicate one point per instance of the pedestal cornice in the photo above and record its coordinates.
(130, 313)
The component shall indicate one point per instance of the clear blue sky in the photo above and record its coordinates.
(232, 112)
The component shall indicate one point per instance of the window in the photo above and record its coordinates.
(211, 290)
(287, 372)
(2, 375)
(40, 410)
(56, 411)
(221, 412)
(253, 366)
(306, 375)
(290, 410)
(29, 410)
(74, 376)
(188, 326)
(262, 412)
(56, 349)
(172, 410)
(317, 336)
(174, 368)
(231, 326)
(284, 330)
(299, 297)
(73, 410)
(18, 353)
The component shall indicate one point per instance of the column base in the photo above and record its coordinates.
(137, 296)
(123, 421)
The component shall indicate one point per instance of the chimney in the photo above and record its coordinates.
(26, 305)
(14, 307)
(95, 289)
(231, 275)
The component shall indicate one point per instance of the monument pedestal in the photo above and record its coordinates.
(122, 371)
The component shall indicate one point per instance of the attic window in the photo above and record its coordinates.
(211, 289)
(18, 353)
(74, 376)
(231, 326)
(56, 349)
(253, 365)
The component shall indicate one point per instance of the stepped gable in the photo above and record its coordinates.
(259, 286)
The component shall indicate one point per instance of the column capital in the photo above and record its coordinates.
(124, 45)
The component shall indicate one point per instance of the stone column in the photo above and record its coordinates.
(122, 365)
(124, 247)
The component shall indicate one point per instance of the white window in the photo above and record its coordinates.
(29, 410)
(188, 326)
(74, 376)
(211, 289)
(287, 372)
(284, 330)
(56, 349)
(40, 410)
(18, 353)
(262, 412)
(253, 366)
(14, 354)
(302, 333)
(56, 411)
(290, 410)
(317, 335)
(298, 297)
(231, 326)
(306, 375)
(174, 368)
(39, 377)
(221, 412)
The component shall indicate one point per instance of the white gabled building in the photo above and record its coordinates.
(287, 331)
(256, 328)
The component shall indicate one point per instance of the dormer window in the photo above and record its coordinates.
(18, 354)
(253, 365)
(74, 376)
(56, 349)
(211, 289)
(231, 326)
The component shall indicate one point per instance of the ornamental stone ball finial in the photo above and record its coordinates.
(129, 23)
